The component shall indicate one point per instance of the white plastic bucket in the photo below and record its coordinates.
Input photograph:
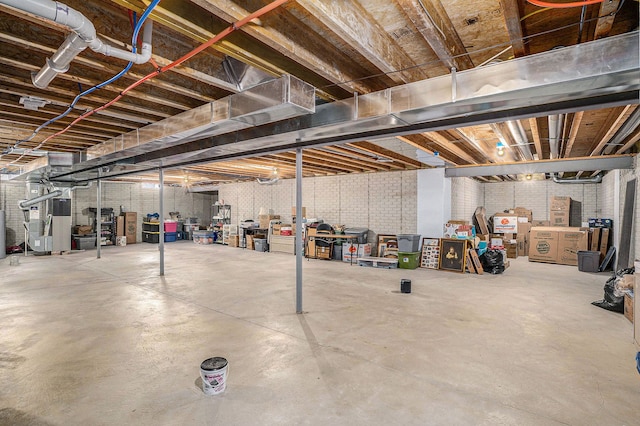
(214, 375)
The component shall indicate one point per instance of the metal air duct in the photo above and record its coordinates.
(555, 131)
(596, 179)
(520, 136)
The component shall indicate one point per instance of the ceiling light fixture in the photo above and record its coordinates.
(528, 177)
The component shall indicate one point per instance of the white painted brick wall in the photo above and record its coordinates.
(466, 195)
(132, 196)
(382, 202)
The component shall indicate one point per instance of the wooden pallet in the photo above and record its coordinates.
(378, 262)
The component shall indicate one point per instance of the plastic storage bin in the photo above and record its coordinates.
(85, 242)
(408, 260)
(260, 244)
(588, 261)
(360, 232)
(170, 237)
(170, 226)
(408, 243)
(204, 237)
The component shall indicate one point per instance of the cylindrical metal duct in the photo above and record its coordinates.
(59, 62)
(3, 233)
(27, 203)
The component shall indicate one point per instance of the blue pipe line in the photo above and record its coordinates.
(134, 38)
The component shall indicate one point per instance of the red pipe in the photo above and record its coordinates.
(258, 13)
(564, 5)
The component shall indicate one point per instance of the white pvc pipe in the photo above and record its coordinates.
(84, 36)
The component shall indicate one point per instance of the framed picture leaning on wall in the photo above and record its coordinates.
(453, 255)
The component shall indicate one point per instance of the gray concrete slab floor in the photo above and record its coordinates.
(108, 341)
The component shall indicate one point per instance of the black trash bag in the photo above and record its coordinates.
(613, 299)
(492, 262)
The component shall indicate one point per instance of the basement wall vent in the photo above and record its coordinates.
(33, 103)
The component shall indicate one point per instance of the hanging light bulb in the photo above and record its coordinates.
(528, 177)
(500, 152)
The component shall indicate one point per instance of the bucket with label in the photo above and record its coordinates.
(214, 375)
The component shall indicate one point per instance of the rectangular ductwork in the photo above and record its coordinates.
(274, 100)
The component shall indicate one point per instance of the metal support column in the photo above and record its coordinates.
(299, 233)
(161, 236)
(99, 216)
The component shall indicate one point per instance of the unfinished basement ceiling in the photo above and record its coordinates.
(338, 47)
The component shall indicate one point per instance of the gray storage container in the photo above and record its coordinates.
(408, 243)
(360, 232)
(260, 244)
(588, 261)
(85, 242)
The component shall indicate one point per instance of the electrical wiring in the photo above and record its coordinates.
(134, 37)
(173, 64)
(563, 5)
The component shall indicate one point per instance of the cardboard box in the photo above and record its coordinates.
(540, 223)
(559, 218)
(560, 204)
(264, 219)
(234, 240)
(600, 223)
(503, 222)
(83, 230)
(496, 242)
(351, 252)
(626, 282)
(604, 242)
(293, 211)
(131, 226)
(121, 240)
(570, 242)
(628, 307)
(249, 242)
(595, 239)
(120, 228)
(459, 231)
(512, 250)
(543, 244)
(523, 228)
(522, 212)
(636, 306)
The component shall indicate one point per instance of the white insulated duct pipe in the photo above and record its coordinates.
(83, 36)
(555, 129)
(520, 136)
(25, 204)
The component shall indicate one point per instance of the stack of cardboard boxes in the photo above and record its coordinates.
(513, 227)
(560, 242)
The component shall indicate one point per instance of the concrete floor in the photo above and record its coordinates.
(107, 341)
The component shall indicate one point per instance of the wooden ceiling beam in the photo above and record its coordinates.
(356, 27)
(432, 21)
(113, 88)
(314, 160)
(511, 12)
(378, 150)
(535, 134)
(573, 133)
(19, 119)
(606, 16)
(274, 36)
(632, 140)
(362, 158)
(459, 133)
(22, 88)
(103, 66)
(616, 118)
(329, 156)
(448, 145)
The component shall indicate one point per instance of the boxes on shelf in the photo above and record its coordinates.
(503, 222)
(204, 237)
(351, 252)
(408, 243)
(459, 231)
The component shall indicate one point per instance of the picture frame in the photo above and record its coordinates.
(387, 245)
(430, 258)
(453, 255)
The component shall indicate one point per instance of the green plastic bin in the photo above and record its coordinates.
(408, 260)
